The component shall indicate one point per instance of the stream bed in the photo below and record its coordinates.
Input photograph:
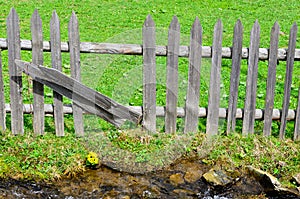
(183, 179)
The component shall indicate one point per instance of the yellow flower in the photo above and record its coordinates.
(92, 159)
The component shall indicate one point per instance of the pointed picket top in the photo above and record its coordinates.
(238, 27)
(196, 26)
(54, 22)
(255, 29)
(174, 25)
(149, 22)
(13, 15)
(73, 23)
(13, 22)
(35, 18)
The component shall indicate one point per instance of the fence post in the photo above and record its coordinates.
(14, 52)
(193, 92)
(235, 75)
(214, 85)
(149, 75)
(74, 46)
(172, 76)
(251, 86)
(271, 81)
(288, 78)
(2, 100)
(56, 64)
(38, 88)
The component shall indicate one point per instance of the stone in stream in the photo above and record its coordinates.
(296, 179)
(176, 179)
(270, 184)
(217, 177)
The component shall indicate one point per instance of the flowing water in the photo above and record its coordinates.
(180, 180)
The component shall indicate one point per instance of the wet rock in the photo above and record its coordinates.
(296, 179)
(270, 184)
(267, 181)
(192, 175)
(217, 177)
(182, 193)
(176, 179)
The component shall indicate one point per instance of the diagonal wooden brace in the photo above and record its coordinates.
(88, 99)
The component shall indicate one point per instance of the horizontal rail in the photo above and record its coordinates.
(160, 111)
(136, 49)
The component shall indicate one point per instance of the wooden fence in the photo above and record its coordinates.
(149, 50)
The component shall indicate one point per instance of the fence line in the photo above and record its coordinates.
(149, 50)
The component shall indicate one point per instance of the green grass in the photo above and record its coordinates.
(120, 76)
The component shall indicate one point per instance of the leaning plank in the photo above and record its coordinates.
(137, 49)
(192, 98)
(91, 101)
(288, 79)
(38, 88)
(149, 75)
(269, 102)
(74, 43)
(172, 76)
(251, 86)
(13, 43)
(57, 64)
(297, 122)
(235, 75)
(214, 85)
(2, 100)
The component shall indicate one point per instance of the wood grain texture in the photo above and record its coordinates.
(214, 84)
(172, 76)
(235, 75)
(149, 75)
(137, 49)
(15, 81)
(288, 78)
(271, 81)
(193, 90)
(56, 64)
(251, 85)
(38, 88)
(91, 101)
(74, 44)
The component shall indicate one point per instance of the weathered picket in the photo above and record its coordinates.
(38, 88)
(86, 100)
(235, 76)
(149, 75)
(193, 91)
(15, 74)
(251, 85)
(288, 78)
(172, 76)
(269, 103)
(214, 85)
(74, 45)
(56, 64)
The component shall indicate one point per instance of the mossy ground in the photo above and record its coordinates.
(49, 157)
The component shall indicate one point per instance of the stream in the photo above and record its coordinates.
(180, 180)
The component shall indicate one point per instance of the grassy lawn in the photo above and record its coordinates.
(120, 76)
